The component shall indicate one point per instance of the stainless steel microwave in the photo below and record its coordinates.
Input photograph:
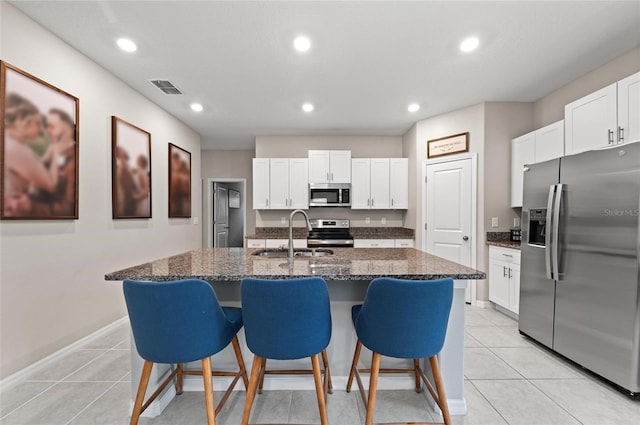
(330, 195)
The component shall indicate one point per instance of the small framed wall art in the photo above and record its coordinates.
(179, 182)
(39, 148)
(131, 170)
(449, 145)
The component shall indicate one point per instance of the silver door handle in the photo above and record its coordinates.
(372, 202)
(610, 136)
(509, 273)
(504, 271)
(465, 238)
(328, 176)
(556, 231)
(620, 134)
(267, 201)
(548, 240)
(391, 201)
(331, 176)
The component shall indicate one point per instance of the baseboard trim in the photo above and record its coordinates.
(483, 304)
(20, 375)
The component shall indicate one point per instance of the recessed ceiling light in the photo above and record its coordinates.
(307, 107)
(414, 107)
(127, 45)
(302, 43)
(469, 44)
(196, 107)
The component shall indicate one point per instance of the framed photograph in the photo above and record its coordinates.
(234, 198)
(448, 145)
(39, 148)
(179, 182)
(131, 170)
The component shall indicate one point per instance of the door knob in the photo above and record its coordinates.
(465, 238)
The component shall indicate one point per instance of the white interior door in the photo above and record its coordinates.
(449, 211)
(220, 217)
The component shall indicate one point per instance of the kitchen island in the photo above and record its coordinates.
(348, 272)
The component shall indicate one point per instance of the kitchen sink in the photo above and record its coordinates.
(297, 252)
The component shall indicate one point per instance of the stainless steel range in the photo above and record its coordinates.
(329, 233)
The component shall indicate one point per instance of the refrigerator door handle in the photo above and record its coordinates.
(549, 241)
(556, 231)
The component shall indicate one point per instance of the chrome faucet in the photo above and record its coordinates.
(306, 217)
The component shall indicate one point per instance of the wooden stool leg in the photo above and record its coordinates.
(240, 360)
(263, 368)
(142, 389)
(327, 371)
(317, 377)
(354, 365)
(416, 368)
(208, 391)
(373, 385)
(442, 398)
(179, 378)
(251, 390)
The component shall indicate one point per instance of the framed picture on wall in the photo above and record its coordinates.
(131, 170)
(179, 182)
(39, 148)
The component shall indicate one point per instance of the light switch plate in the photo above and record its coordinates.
(516, 222)
(495, 222)
(195, 221)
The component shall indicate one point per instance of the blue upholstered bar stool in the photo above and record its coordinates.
(286, 320)
(179, 322)
(405, 319)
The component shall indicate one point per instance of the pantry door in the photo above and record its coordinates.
(450, 212)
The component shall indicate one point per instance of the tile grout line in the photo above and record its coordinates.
(489, 403)
(92, 402)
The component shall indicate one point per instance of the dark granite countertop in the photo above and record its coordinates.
(356, 232)
(505, 244)
(232, 264)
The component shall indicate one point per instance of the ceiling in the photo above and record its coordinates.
(367, 62)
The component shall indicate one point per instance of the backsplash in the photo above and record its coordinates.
(498, 236)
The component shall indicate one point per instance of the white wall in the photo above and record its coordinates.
(52, 283)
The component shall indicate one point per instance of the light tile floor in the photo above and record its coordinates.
(509, 380)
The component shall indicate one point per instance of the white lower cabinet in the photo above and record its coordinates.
(404, 243)
(374, 243)
(275, 243)
(504, 277)
(255, 243)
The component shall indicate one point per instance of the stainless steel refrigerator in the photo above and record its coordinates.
(580, 262)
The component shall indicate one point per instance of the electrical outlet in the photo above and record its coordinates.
(383, 220)
(367, 220)
(495, 222)
(283, 220)
(516, 222)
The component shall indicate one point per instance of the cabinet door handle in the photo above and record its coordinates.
(372, 202)
(610, 136)
(328, 176)
(368, 202)
(504, 271)
(620, 134)
(509, 272)
(391, 201)
(331, 176)
(267, 201)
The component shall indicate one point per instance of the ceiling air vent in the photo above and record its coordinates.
(166, 86)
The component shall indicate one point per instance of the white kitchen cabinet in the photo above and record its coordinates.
(629, 109)
(379, 183)
(288, 185)
(260, 183)
(399, 183)
(255, 243)
(284, 243)
(537, 146)
(280, 183)
(404, 243)
(504, 277)
(523, 150)
(605, 117)
(374, 243)
(329, 166)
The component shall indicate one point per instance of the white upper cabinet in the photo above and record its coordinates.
(540, 145)
(329, 166)
(280, 183)
(629, 109)
(360, 183)
(591, 122)
(379, 183)
(523, 151)
(606, 117)
(549, 142)
(260, 183)
(399, 182)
